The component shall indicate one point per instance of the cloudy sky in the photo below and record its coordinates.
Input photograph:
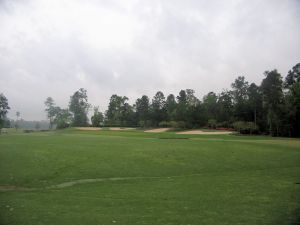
(135, 47)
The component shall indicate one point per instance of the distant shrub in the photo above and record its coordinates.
(145, 123)
(245, 127)
(173, 124)
(164, 124)
(62, 125)
(141, 123)
(212, 123)
(181, 124)
(29, 131)
(224, 124)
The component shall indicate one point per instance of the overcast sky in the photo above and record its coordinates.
(54, 47)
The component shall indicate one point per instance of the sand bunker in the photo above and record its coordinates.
(121, 128)
(88, 128)
(158, 130)
(105, 128)
(204, 132)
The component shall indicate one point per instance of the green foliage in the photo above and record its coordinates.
(158, 108)
(225, 106)
(245, 127)
(181, 124)
(164, 124)
(63, 118)
(212, 123)
(273, 107)
(292, 110)
(171, 107)
(186, 109)
(145, 123)
(3, 110)
(119, 112)
(79, 107)
(293, 76)
(240, 99)
(98, 118)
(50, 109)
(272, 92)
(210, 103)
(142, 106)
(173, 124)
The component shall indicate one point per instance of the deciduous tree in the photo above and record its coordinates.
(79, 107)
(50, 109)
(3, 110)
(97, 118)
(272, 92)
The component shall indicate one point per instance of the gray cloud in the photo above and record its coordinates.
(52, 48)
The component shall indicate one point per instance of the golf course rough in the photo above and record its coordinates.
(135, 177)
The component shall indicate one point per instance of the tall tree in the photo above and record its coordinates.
(18, 114)
(292, 107)
(127, 115)
(225, 107)
(181, 110)
(117, 108)
(191, 99)
(240, 97)
(63, 118)
(50, 109)
(3, 110)
(210, 104)
(79, 107)
(293, 76)
(158, 108)
(171, 107)
(272, 92)
(255, 103)
(192, 109)
(143, 110)
(97, 118)
(182, 97)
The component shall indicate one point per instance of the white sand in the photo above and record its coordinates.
(88, 128)
(204, 132)
(158, 130)
(121, 128)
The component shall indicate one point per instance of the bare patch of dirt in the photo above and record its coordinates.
(158, 130)
(204, 132)
(88, 128)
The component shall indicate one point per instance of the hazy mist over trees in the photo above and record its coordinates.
(273, 107)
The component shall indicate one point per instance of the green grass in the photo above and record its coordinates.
(164, 179)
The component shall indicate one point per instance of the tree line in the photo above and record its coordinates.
(273, 107)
